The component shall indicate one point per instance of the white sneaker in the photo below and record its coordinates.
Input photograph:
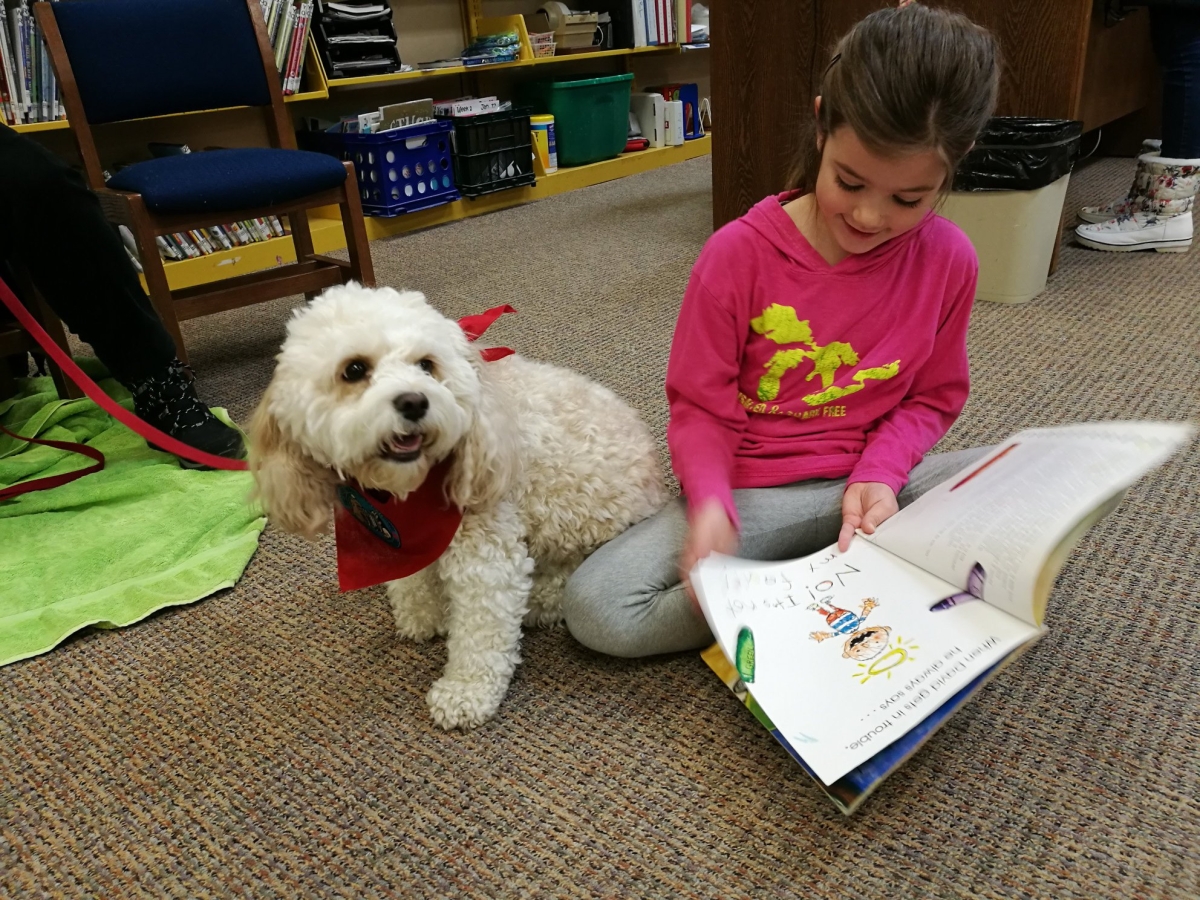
(1139, 231)
(1133, 200)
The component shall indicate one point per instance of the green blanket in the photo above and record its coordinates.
(115, 546)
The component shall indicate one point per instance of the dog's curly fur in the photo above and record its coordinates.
(547, 465)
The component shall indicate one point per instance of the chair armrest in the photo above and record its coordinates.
(118, 206)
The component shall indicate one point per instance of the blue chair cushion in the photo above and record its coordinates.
(228, 180)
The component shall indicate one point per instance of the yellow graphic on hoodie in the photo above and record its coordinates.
(779, 324)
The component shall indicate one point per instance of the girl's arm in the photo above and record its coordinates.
(706, 419)
(937, 396)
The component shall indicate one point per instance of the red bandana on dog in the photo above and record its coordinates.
(380, 538)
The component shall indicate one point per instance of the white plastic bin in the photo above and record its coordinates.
(1014, 233)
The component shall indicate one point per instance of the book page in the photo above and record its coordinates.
(1002, 528)
(845, 653)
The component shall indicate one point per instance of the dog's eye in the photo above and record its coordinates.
(356, 370)
(426, 365)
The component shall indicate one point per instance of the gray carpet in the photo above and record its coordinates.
(272, 741)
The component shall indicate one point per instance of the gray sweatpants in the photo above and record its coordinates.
(626, 599)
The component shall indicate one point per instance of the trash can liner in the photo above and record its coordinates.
(1015, 153)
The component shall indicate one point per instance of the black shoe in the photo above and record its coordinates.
(168, 401)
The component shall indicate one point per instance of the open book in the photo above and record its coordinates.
(853, 660)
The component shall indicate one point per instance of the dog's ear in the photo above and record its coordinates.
(295, 492)
(486, 459)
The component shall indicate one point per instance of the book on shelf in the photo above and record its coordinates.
(200, 242)
(28, 89)
(288, 24)
(852, 660)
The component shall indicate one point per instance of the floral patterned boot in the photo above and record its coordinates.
(1164, 221)
(1132, 201)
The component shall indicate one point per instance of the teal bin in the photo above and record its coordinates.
(591, 115)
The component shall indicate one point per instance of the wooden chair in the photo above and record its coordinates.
(16, 342)
(133, 59)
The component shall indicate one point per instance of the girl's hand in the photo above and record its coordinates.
(709, 531)
(865, 505)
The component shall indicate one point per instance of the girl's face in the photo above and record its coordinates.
(865, 199)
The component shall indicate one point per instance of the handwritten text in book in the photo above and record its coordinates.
(749, 591)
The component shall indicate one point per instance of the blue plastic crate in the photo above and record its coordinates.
(398, 171)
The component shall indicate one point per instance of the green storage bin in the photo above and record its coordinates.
(591, 115)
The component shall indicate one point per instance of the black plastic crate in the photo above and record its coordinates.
(493, 152)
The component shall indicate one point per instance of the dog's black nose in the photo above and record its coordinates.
(412, 405)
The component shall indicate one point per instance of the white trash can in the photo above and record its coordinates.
(1014, 233)
(1008, 197)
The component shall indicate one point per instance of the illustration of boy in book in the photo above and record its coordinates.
(862, 643)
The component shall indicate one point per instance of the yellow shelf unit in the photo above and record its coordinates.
(559, 182)
(422, 74)
(327, 229)
(33, 127)
(185, 273)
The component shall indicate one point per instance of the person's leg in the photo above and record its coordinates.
(53, 227)
(1176, 37)
(626, 598)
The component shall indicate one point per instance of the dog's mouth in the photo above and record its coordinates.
(402, 448)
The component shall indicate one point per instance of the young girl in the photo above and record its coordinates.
(821, 346)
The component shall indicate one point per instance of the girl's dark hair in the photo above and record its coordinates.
(905, 80)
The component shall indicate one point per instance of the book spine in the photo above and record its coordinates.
(276, 225)
(165, 250)
(5, 97)
(48, 114)
(22, 42)
(302, 46)
(264, 229)
(14, 45)
(269, 13)
(285, 30)
(289, 71)
(218, 238)
(200, 240)
(638, 12)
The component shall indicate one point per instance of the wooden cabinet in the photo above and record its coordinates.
(1061, 60)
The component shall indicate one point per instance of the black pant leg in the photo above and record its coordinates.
(52, 225)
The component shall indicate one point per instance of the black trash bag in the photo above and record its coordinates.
(1019, 154)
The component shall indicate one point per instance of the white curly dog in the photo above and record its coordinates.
(376, 386)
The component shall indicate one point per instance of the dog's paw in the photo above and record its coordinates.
(464, 704)
(543, 618)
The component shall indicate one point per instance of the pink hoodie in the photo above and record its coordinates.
(784, 368)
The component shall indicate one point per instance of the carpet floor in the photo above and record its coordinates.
(273, 741)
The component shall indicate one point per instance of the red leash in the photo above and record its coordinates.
(51, 481)
(105, 402)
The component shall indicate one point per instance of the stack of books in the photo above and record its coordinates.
(28, 88)
(288, 25)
